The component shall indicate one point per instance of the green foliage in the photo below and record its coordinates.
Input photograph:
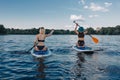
(22, 31)
(103, 31)
(91, 30)
(110, 30)
(2, 29)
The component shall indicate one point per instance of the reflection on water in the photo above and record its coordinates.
(78, 67)
(81, 57)
(41, 67)
(64, 64)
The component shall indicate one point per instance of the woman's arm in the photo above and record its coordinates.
(36, 40)
(85, 32)
(76, 29)
(50, 33)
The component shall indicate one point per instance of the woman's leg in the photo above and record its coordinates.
(77, 44)
(83, 44)
(45, 48)
(80, 43)
(36, 48)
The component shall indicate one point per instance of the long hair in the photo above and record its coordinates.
(42, 30)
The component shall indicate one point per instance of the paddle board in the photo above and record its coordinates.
(40, 53)
(83, 49)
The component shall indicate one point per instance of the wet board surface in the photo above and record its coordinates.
(83, 49)
(41, 53)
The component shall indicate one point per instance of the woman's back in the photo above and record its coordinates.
(41, 39)
(81, 36)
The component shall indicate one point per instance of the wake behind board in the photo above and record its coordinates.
(83, 49)
(39, 54)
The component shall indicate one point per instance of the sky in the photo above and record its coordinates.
(59, 14)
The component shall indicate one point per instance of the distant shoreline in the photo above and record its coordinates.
(102, 31)
(59, 34)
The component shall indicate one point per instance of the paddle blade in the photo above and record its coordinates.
(95, 40)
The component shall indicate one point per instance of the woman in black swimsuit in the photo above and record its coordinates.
(81, 33)
(40, 39)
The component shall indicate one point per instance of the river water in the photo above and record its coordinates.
(64, 63)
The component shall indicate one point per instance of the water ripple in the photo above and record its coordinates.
(64, 64)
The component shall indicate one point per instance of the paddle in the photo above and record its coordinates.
(95, 40)
(30, 49)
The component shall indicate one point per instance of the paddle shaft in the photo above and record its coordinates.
(90, 35)
(32, 47)
(76, 23)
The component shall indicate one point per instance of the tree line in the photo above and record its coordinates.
(103, 31)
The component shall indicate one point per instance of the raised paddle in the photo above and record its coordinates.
(95, 40)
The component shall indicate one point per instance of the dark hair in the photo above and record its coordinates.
(41, 27)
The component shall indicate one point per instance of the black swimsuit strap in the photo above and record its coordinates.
(41, 40)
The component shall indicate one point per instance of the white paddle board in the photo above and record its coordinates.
(40, 53)
(83, 49)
